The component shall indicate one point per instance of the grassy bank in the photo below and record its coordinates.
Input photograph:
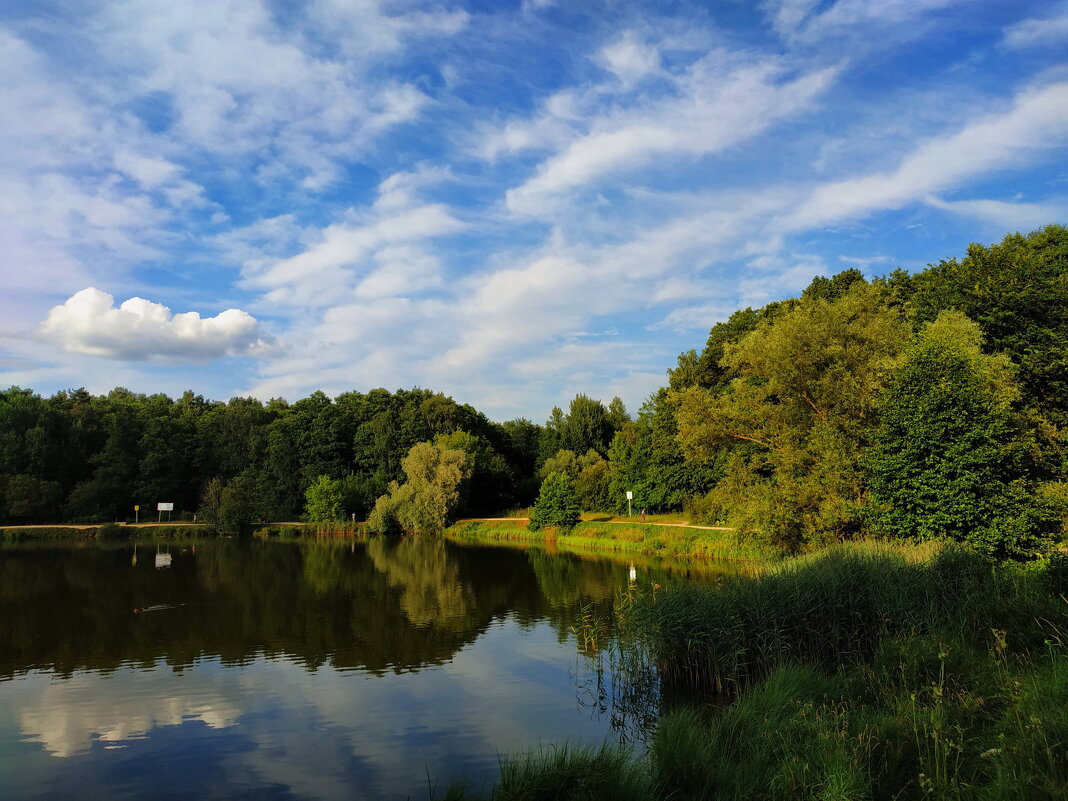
(630, 538)
(117, 532)
(104, 532)
(863, 672)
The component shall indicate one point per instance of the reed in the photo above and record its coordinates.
(834, 609)
(868, 673)
(573, 773)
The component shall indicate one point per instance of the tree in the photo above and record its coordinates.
(232, 507)
(557, 504)
(28, 499)
(1017, 292)
(324, 501)
(586, 426)
(797, 416)
(425, 503)
(953, 458)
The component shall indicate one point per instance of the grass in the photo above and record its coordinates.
(103, 532)
(567, 773)
(834, 609)
(865, 673)
(647, 539)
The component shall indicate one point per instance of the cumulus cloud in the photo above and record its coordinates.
(88, 322)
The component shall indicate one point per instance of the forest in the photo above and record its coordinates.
(927, 405)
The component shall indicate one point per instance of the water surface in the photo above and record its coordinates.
(318, 670)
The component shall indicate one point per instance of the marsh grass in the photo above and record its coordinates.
(867, 673)
(834, 609)
(567, 773)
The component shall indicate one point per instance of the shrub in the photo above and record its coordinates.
(557, 504)
(111, 531)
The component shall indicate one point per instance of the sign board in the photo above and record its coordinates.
(630, 495)
(164, 507)
(137, 508)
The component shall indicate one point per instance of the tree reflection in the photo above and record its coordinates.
(384, 605)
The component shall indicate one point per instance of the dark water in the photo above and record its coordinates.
(280, 671)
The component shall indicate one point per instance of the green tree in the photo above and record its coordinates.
(797, 416)
(1017, 292)
(587, 426)
(28, 499)
(324, 501)
(563, 461)
(425, 503)
(240, 507)
(953, 458)
(557, 504)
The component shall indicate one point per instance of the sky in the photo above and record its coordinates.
(509, 202)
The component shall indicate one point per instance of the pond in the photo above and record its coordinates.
(282, 670)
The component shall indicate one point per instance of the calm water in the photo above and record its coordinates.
(281, 671)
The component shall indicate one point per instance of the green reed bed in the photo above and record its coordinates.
(46, 533)
(865, 673)
(834, 609)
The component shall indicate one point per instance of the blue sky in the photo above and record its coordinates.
(511, 202)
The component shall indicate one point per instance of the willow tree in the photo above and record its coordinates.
(425, 503)
(797, 416)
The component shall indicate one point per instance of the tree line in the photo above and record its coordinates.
(78, 457)
(928, 405)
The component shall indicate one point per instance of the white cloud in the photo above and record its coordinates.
(88, 322)
(801, 20)
(1007, 216)
(1035, 123)
(328, 269)
(717, 104)
(629, 58)
(1039, 32)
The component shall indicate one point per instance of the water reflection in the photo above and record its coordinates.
(315, 670)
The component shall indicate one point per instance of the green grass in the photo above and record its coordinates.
(866, 673)
(648, 540)
(834, 609)
(567, 773)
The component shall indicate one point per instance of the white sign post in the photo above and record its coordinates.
(630, 497)
(164, 507)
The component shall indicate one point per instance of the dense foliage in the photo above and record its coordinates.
(84, 458)
(928, 405)
(931, 405)
(557, 504)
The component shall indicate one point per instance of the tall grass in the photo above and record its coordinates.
(834, 609)
(865, 673)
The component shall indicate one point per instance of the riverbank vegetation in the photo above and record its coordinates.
(646, 539)
(863, 672)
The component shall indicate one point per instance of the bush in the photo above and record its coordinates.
(111, 531)
(383, 518)
(557, 504)
(1057, 573)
